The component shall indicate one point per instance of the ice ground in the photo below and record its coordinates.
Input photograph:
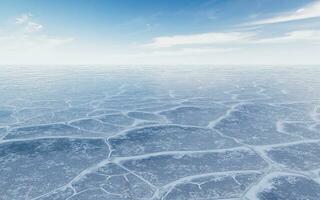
(174, 133)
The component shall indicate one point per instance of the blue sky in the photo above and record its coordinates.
(160, 32)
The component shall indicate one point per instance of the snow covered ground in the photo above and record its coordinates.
(170, 133)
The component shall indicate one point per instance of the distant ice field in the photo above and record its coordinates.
(159, 133)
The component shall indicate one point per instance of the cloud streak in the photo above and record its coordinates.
(201, 39)
(294, 36)
(310, 11)
(216, 41)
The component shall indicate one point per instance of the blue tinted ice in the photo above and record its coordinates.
(159, 133)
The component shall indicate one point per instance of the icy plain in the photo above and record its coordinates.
(159, 133)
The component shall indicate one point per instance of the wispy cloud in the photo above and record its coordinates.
(309, 11)
(24, 18)
(33, 27)
(294, 36)
(201, 39)
(22, 36)
(25, 21)
(222, 42)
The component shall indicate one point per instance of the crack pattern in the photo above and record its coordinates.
(232, 134)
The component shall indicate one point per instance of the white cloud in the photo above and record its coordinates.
(294, 37)
(33, 27)
(191, 44)
(310, 11)
(29, 26)
(21, 41)
(23, 18)
(201, 39)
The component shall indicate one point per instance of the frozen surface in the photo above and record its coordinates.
(154, 139)
(285, 186)
(303, 156)
(33, 167)
(159, 133)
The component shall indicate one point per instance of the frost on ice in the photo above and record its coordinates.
(188, 133)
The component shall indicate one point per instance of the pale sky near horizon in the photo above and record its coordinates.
(160, 32)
